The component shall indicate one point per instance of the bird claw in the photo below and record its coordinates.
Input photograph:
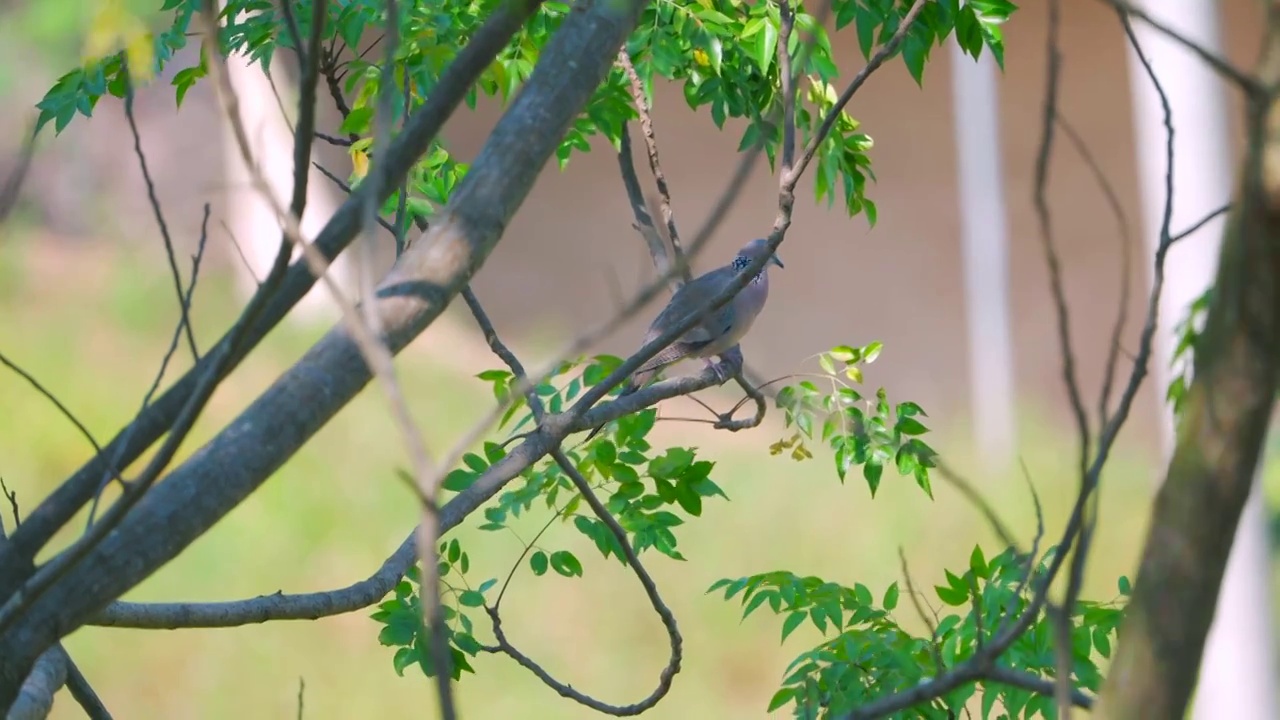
(726, 365)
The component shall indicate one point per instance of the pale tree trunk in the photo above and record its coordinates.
(250, 219)
(984, 236)
(1239, 663)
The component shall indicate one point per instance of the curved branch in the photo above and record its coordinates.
(650, 589)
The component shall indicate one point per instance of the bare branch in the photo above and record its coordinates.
(114, 467)
(1040, 197)
(1126, 260)
(265, 608)
(48, 395)
(306, 130)
(364, 331)
(1245, 81)
(155, 203)
(12, 185)
(1200, 223)
(83, 692)
(655, 165)
(644, 221)
(935, 652)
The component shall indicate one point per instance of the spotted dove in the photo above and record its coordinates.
(721, 330)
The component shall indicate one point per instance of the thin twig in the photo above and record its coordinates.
(84, 693)
(347, 189)
(114, 468)
(1126, 261)
(1041, 201)
(12, 186)
(381, 364)
(651, 590)
(185, 323)
(639, 208)
(1245, 81)
(934, 651)
(48, 395)
(1200, 223)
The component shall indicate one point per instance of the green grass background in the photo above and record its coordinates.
(331, 514)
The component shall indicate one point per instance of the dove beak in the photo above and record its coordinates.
(774, 259)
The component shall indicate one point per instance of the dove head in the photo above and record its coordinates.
(752, 251)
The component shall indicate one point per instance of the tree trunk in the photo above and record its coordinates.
(1219, 441)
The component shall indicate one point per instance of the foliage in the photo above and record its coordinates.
(1187, 332)
(721, 51)
(866, 653)
(872, 438)
(724, 55)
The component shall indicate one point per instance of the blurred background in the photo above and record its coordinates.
(86, 304)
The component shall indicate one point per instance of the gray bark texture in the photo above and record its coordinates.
(424, 281)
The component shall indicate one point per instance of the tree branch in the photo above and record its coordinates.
(418, 288)
(1246, 82)
(155, 204)
(1220, 438)
(651, 590)
(641, 101)
(275, 297)
(264, 608)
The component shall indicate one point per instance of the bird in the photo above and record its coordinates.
(721, 330)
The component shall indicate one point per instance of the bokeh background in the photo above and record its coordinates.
(86, 305)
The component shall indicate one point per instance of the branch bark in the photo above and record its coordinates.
(416, 291)
(47, 518)
(1219, 440)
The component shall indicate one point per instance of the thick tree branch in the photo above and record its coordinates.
(277, 606)
(275, 297)
(35, 699)
(236, 461)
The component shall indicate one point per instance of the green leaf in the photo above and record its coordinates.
(951, 596)
(471, 598)
(782, 697)
(978, 563)
(564, 562)
(911, 426)
(1102, 642)
(871, 471)
(1124, 586)
(538, 562)
(404, 657)
(792, 622)
(766, 46)
(914, 54)
(891, 597)
(459, 480)
(357, 121)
